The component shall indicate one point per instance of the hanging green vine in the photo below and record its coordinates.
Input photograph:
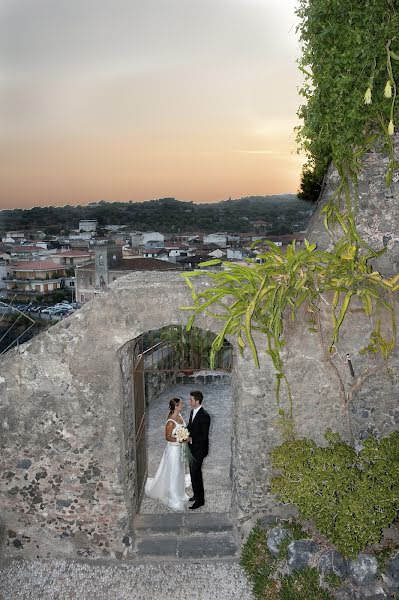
(350, 62)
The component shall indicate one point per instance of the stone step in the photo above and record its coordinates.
(196, 547)
(181, 524)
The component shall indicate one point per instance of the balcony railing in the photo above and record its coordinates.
(31, 279)
(18, 292)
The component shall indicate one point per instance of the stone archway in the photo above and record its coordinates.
(153, 382)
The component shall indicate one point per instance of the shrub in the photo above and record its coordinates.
(302, 585)
(350, 496)
(257, 561)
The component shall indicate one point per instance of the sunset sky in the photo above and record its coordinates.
(134, 100)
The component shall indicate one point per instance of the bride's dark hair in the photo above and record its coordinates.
(173, 402)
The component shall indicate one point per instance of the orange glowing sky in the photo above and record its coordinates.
(128, 100)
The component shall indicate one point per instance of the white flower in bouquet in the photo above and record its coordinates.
(181, 434)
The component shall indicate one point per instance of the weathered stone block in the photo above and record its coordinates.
(333, 562)
(363, 569)
(275, 537)
(300, 554)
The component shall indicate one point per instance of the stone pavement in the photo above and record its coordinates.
(100, 580)
(216, 467)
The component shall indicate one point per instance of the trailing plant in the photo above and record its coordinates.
(350, 496)
(257, 298)
(350, 63)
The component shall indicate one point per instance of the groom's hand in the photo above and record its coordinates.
(190, 440)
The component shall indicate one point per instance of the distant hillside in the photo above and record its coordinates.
(280, 213)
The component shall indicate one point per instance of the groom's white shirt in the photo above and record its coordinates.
(195, 410)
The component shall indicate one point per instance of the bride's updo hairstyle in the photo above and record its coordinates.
(172, 404)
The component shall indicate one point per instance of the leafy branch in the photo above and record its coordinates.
(260, 296)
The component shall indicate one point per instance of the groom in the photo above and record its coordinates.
(198, 427)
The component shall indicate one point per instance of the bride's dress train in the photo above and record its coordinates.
(170, 480)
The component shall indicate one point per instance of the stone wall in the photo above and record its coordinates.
(157, 382)
(377, 209)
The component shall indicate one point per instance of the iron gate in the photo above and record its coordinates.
(139, 418)
(173, 349)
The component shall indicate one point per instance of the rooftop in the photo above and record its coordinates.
(137, 264)
(36, 265)
(73, 253)
(27, 248)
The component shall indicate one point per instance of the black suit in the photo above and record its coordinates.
(199, 433)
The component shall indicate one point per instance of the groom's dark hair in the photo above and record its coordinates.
(197, 395)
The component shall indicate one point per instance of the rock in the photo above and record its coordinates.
(275, 537)
(59, 504)
(374, 591)
(300, 553)
(392, 569)
(24, 463)
(333, 562)
(60, 445)
(268, 520)
(363, 569)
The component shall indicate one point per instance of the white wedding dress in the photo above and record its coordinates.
(170, 480)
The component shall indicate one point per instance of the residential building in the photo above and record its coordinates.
(27, 252)
(136, 239)
(239, 253)
(92, 278)
(88, 225)
(14, 237)
(220, 239)
(4, 272)
(71, 258)
(218, 253)
(29, 279)
(160, 253)
(152, 239)
(149, 239)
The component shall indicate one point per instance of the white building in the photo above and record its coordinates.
(136, 239)
(217, 253)
(220, 239)
(149, 237)
(152, 239)
(88, 225)
(14, 237)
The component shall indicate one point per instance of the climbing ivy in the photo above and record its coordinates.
(350, 63)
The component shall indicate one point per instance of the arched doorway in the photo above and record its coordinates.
(171, 362)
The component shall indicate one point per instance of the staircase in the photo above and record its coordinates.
(197, 536)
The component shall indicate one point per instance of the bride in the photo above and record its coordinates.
(170, 480)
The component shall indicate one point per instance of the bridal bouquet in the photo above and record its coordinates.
(181, 434)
